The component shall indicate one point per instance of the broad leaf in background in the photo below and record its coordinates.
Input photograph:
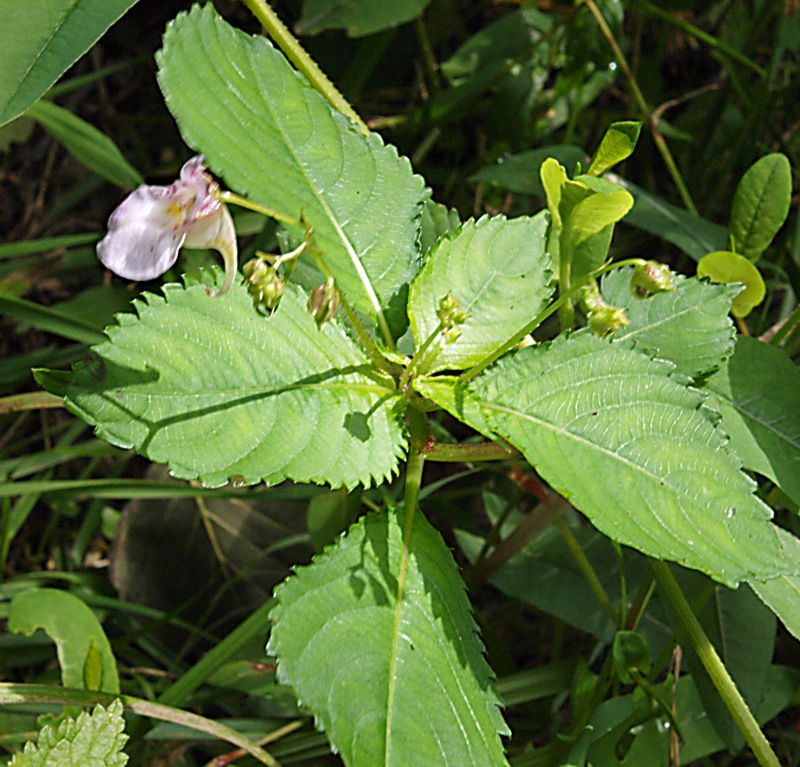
(726, 266)
(760, 205)
(617, 145)
(237, 100)
(87, 144)
(281, 398)
(544, 573)
(437, 220)
(497, 270)
(782, 594)
(84, 652)
(761, 417)
(357, 17)
(688, 326)
(94, 740)
(382, 647)
(630, 447)
(742, 629)
(520, 172)
(695, 236)
(37, 45)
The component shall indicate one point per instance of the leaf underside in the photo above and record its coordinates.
(392, 681)
(219, 391)
(762, 418)
(632, 448)
(276, 140)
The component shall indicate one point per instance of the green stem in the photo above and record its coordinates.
(789, 326)
(468, 453)
(243, 202)
(585, 565)
(419, 357)
(566, 313)
(295, 52)
(641, 102)
(468, 375)
(716, 670)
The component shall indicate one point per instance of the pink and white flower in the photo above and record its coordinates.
(150, 226)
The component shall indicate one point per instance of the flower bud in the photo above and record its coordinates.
(607, 320)
(323, 303)
(651, 277)
(450, 314)
(263, 283)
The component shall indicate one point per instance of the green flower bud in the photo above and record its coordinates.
(323, 303)
(450, 314)
(263, 283)
(607, 320)
(651, 277)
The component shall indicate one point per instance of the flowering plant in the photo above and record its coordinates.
(402, 321)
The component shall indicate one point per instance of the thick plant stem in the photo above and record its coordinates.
(716, 669)
(295, 52)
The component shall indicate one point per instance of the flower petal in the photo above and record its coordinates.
(145, 233)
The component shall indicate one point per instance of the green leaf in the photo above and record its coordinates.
(88, 741)
(87, 144)
(281, 398)
(357, 17)
(382, 648)
(633, 449)
(760, 205)
(437, 221)
(544, 573)
(617, 145)
(695, 236)
(520, 173)
(688, 326)
(38, 45)
(758, 395)
(725, 266)
(782, 594)
(238, 101)
(75, 630)
(498, 272)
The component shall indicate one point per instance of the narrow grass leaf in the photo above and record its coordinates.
(87, 144)
(37, 45)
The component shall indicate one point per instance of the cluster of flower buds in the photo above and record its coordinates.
(150, 226)
(603, 318)
(451, 316)
(265, 285)
(651, 277)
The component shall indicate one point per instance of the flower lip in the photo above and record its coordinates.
(149, 227)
